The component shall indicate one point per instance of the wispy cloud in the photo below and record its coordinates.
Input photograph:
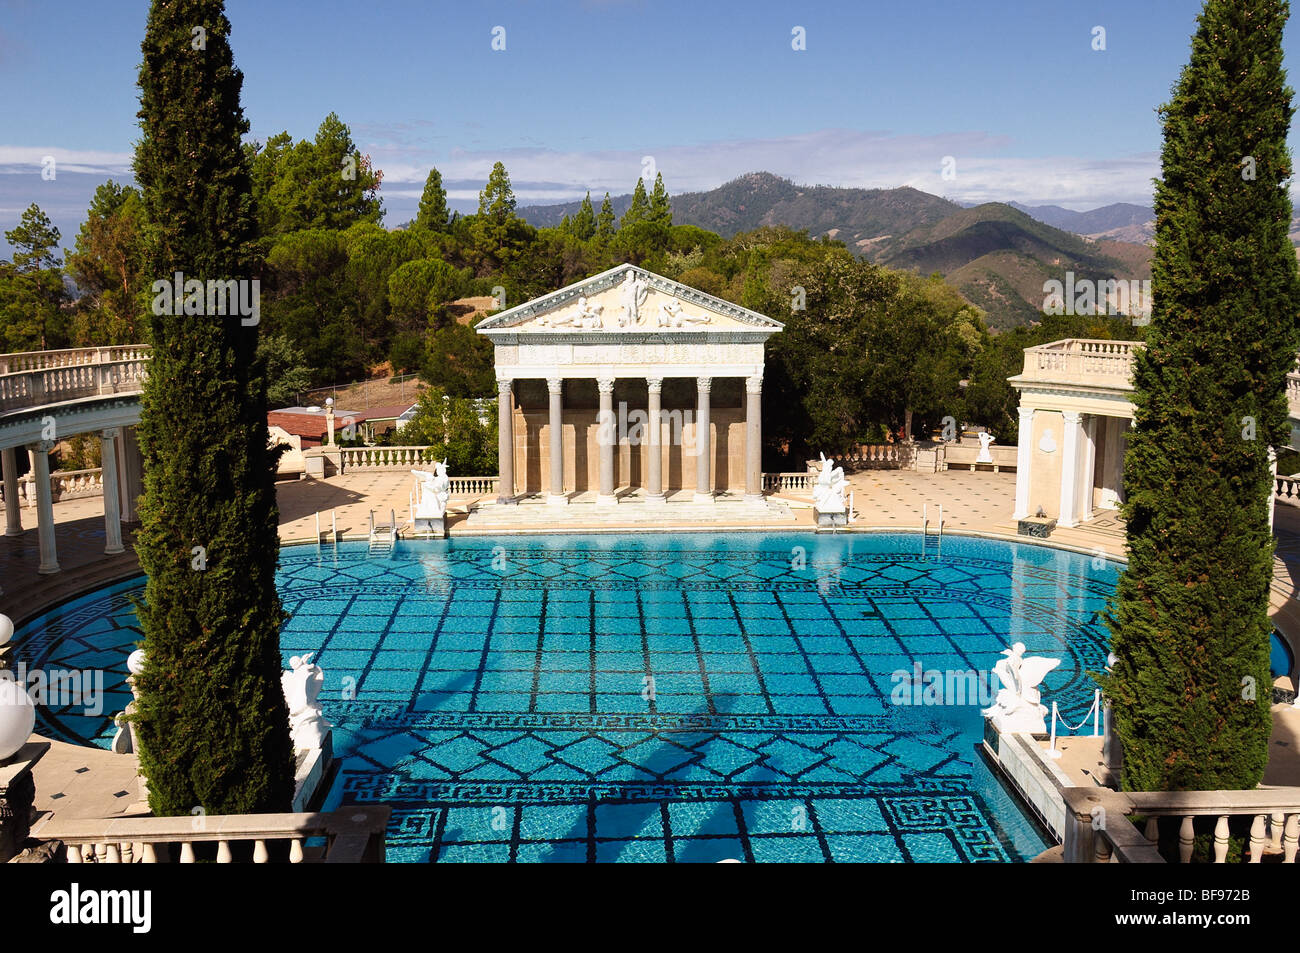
(20, 160)
(986, 168)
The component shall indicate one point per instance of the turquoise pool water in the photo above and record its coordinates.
(657, 697)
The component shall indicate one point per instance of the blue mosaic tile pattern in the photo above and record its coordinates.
(657, 698)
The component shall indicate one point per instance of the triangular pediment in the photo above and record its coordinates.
(627, 299)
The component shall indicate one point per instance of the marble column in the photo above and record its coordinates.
(112, 498)
(607, 438)
(130, 472)
(654, 485)
(556, 495)
(1088, 465)
(505, 443)
(1070, 452)
(703, 443)
(13, 511)
(754, 438)
(40, 454)
(1024, 463)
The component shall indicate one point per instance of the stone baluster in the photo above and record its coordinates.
(1185, 838)
(223, 852)
(73, 853)
(111, 853)
(187, 852)
(295, 851)
(1290, 838)
(1101, 849)
(1275, 825)
(1152, 831)
(260, 853)
(1257, 839)
(1221, 837)
(149, 853)
(127, 850)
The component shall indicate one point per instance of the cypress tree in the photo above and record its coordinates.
(213, 726)
(605, 221)
(1191, 687)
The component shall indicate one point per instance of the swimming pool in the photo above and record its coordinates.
(656, 697)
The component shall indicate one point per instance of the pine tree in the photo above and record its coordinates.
(433, 204)
(584, 223)
(1190, 626)
(605, 221)
(638, 210)
(213, 726)
(661, 210)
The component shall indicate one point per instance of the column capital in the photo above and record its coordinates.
(655, 384)
(1072, 416)
(754, 385)
(605, 385)
(704, 384)
(41, 446)
(1026, 413)
(111, 433)
(504, 384)
(554, 384)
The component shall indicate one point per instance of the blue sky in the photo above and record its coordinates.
(585, 89)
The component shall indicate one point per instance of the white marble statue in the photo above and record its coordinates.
(432, 490)
(301, 685)
(671, 315)
(986, 441)
(585, 316)
(828, 492)
(632, 295)
(1018, 707)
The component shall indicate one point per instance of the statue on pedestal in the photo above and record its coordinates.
(984, 456)
(1017, 707)
(828, 494)
(307, 726)
(429, 498)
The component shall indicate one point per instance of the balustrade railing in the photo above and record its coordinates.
(64, 485)
(789, 482)
(1287, 489)
(1080, 360)
(466, 486)
(382, 458)
(50, 377)
(1100, 829)
(351, 835)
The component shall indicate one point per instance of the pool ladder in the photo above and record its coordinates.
(383, 536)
(925, 530)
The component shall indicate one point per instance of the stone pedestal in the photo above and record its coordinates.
(1035, 526)
(17, 794)
(310, 767)
(835, 518)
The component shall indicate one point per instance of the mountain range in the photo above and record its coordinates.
(998, 255)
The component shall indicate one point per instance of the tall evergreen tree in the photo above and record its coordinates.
(1190, 626)
(638, 210)
(433, 204)
(31, 291)
(605, 221)
(661, 209)
(584, 222)
(213, 726)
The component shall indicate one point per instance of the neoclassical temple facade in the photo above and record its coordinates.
(628, 381)
(1075, 414)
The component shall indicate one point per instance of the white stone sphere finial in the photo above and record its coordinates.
(6, 629)
(135, 662)
(17, 717)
